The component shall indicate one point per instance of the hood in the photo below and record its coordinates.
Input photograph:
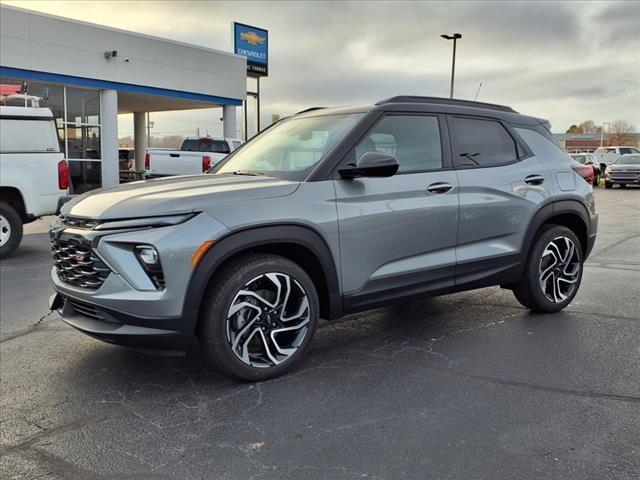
(632, 167)
(173, 195)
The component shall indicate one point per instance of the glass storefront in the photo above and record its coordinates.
(77, 114)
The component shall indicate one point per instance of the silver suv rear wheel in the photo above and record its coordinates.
(559, 269)
(552, 271)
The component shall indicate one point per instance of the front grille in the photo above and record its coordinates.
(631, 176)
(76, 222)
(77, 264)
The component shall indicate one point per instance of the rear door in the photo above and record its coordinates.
(502, 185)
(398, 234)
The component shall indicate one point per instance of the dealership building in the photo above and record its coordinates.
(88, 74)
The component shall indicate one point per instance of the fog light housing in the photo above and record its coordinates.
(148, 255)
(150, 261)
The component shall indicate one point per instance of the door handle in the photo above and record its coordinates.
(534, 179)
(439, 187)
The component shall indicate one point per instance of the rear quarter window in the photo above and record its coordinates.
(542, 147)
(28, 136)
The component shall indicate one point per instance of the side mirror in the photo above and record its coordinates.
(371, 164)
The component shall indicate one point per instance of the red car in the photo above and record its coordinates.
(590, 160)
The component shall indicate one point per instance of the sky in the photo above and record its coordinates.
(565, 61)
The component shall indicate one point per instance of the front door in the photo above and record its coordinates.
(398, 234)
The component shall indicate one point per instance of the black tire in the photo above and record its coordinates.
(528, 290)
(13, 228)
(608, 185)
(596, 180)
(236, 276)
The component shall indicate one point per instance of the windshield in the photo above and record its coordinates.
(291, 148)
(628, 160)
(579, 158)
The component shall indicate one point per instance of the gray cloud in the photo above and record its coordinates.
(567, 61)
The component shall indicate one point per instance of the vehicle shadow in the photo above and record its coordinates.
(348, 341)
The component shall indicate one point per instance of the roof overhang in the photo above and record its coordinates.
(131, 97)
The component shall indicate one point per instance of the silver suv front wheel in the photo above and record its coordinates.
(261, 313)
(268, 320)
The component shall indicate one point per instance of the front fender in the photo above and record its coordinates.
(246, 239)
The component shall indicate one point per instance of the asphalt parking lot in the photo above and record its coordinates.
(469, 386)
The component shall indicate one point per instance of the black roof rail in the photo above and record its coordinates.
(445, 101)
(311, 109)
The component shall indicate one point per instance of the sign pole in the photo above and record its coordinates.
(258, 102)
(246, 130)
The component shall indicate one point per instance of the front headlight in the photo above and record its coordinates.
(144, 222)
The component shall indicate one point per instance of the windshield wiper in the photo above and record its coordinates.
(248, 173)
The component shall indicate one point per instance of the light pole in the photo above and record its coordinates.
(602, 133)
(454, 37)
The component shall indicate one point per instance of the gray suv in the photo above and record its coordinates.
(329, 212)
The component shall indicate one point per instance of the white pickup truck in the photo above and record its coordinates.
(196, 155)
(34, 176)
(606, 155)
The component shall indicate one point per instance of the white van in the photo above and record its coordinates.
(34, 176)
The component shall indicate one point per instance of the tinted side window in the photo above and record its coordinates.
(413, 139)
(215, 146)
(481, 143)
(191, 146)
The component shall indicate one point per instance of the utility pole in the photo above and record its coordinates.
(454, 37)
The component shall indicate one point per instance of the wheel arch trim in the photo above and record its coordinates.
(238, 241)
(553, 209)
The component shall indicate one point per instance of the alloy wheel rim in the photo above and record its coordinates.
(268, 320)
(559, 269)
(5, 230)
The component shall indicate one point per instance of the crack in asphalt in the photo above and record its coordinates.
(615, 244)
(26, 331)
(450, 368)
(76, 424)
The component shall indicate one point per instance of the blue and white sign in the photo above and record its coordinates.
(253, 43)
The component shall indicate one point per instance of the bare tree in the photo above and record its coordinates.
(621, 133)
(588, 126)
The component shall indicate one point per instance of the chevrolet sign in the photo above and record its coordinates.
(252, 43)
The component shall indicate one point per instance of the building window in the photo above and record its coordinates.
(77, 115)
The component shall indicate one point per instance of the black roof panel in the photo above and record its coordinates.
(445, 101)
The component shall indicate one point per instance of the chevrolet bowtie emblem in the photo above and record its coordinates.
(252, 38)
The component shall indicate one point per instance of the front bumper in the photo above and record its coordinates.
(176, 333)
(127, 309)
(622, 177)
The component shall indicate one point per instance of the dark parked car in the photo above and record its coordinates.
(623, 171)
(589, 159)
